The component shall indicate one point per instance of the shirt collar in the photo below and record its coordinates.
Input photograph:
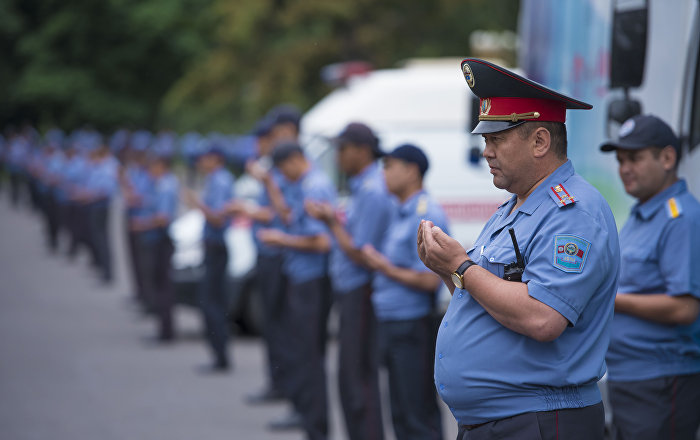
(540, 194)
(647, 209)
(409, 206)
(356, 182)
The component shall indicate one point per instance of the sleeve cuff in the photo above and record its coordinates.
(546, 296)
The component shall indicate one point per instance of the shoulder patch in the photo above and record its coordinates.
(570, 253)
(422, 205)
(673, 207)
(561, 196)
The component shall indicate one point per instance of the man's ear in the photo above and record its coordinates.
(668, 157)
(541, 142)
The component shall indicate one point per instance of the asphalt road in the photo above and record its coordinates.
(74, 364)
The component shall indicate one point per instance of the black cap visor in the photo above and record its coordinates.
(485, 127)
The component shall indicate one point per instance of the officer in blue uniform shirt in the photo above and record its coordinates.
(365, 221)
(154, 243)
(136, 184)
(306, 243)
(521, 347)
(75, 175)
(404, 296)
(268, 268)
(218, 193)
(101, 185)
(654, 354)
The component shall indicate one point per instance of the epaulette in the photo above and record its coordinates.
(673, 207)
(422, 205)
(561, 196)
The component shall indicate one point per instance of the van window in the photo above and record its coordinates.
(694, 134)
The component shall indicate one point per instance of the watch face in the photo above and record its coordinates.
(457, 280)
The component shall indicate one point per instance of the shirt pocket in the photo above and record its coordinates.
(640, 269)
(494, 259)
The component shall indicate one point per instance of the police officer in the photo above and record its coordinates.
(654, 354)
(520, 358)
(366, 217)
(306, 243)
(101, 185)
(136, 184)
(218, 192)
(269, 276)
(403, 298)
(75, 175)
(154, 243)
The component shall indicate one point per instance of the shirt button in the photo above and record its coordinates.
(442, 387)
(440, 355)
(460, 295)
(492, 259)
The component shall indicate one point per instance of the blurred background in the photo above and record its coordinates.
(209, 64)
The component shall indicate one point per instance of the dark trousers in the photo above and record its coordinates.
(358, 365)
(52, 219)
(17, 183)
(662, 408)
(76, 219)
(308, 307)
(586, 423)
(213, 301)
(407, 350)
(271, 286)
(155, 260)
(136, 266)
(98, 227)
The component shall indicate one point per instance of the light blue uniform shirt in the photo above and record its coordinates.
(218, 191)
(54, 171)
(162, 202)
(660, 247)
(300, 266)
(367, 215)
(276, 223)
(75, 173)
(103, 179)
(568, 239)
(392, 300)
(141, 184)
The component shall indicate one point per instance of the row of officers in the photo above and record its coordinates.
(533, 323)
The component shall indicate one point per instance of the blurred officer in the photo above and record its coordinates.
(520, 357)
(404, 296)
(136, 184)
(101, 185)
(367, 217)
(155, 245)
(17, 156)
(54, 162)
(269, 276)
(218, 192)
(306, 243)
(75, 175)
(654, 354)
(3, 153)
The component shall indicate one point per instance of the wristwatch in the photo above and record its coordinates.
(458, 275)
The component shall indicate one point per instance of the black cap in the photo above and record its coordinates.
(284, 150)
(285, 114)
(263, 127)
(214, 148)
(643, 131)
(411, 154)
(360, 134)
(508, 100)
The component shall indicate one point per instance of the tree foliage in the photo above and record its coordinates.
(209, 64)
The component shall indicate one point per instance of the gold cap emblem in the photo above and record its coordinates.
(468, 75)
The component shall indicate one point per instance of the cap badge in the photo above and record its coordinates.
(627, 128)
(468, 75)
(485, 106)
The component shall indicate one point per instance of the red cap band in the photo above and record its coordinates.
(522, 109)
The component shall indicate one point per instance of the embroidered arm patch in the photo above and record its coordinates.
(570, 253)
